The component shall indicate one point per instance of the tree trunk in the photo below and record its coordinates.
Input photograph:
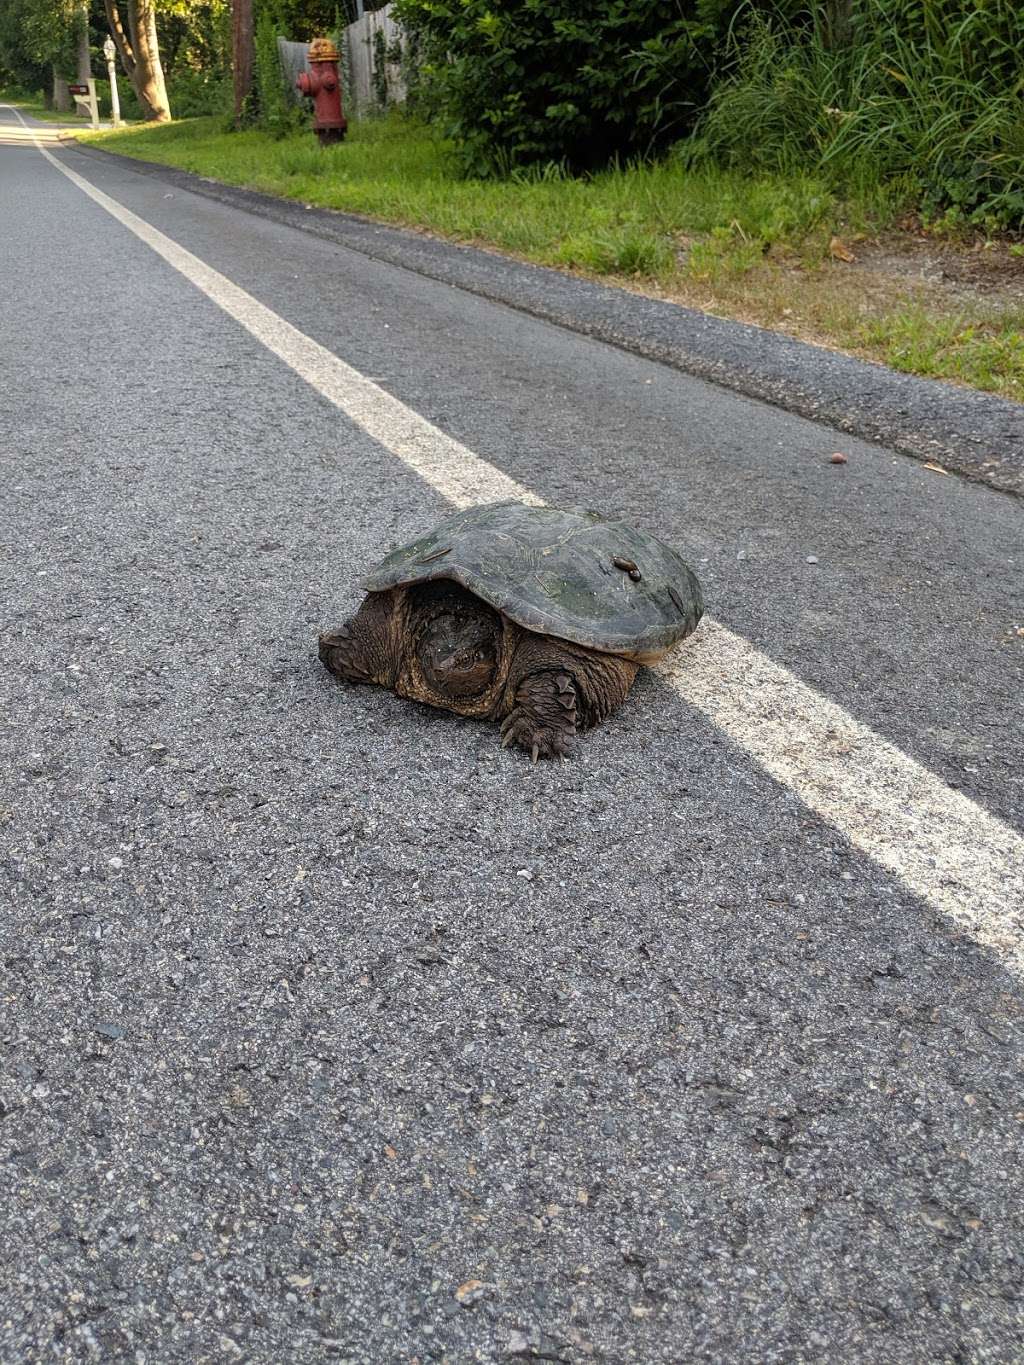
(242, 55)
(121, 40)
(147, 74)
(83, 58)
(61, 94)
(83, 55)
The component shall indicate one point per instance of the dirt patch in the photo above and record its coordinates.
(986, 272)
(920, 304)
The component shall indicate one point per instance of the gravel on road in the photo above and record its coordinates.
(330, 1031)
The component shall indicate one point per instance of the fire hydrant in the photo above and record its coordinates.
(323, 84)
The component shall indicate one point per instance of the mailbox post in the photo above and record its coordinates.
(85, 98)
(115, 103)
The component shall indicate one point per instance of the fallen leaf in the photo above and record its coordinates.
(839, 252)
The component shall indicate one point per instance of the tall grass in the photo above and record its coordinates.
(924, 91)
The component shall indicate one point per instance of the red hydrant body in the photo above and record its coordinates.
(324, 85)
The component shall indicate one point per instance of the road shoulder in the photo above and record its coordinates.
(976, 435)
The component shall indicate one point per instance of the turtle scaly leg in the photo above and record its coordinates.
(362, 650)
(543, 716)
(556, 688)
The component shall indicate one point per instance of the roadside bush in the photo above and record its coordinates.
(273, 108)
(131, 110)
(574, 82)
(17, 93)
(194, 94)
(926, 91)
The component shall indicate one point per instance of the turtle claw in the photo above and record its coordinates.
(538, 739)
(543, 720)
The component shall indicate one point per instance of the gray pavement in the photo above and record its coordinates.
(317, 1007)
(972, 433)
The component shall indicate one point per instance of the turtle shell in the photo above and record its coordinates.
(602, 584)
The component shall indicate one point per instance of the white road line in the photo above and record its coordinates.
(460, 475)
(941, 845)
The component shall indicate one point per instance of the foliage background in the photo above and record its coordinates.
(929, 93)
(924, 96)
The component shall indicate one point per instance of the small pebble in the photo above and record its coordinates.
(811, 559)
(838, 458)
(473, 1290)
(115, 862)
(519, 1344)
(525, 873)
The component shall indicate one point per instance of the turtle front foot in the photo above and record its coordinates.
(543, 719)
(343, 653)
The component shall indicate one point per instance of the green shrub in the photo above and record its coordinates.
(194, 94)
(273, 108)
(131, 110)
(522, 82)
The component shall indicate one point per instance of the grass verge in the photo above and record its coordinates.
(767, 248)
(39, 110)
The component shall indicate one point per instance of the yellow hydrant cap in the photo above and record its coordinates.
(322, 50)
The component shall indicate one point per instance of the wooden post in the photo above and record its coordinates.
(85, 100)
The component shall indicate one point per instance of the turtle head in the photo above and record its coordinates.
(456, 640)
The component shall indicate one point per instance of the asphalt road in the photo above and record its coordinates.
(328, 1030)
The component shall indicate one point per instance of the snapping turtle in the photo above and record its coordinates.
(531, 616)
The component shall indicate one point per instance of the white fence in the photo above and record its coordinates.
(294, 60)
(370, 72)
(369, 79)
